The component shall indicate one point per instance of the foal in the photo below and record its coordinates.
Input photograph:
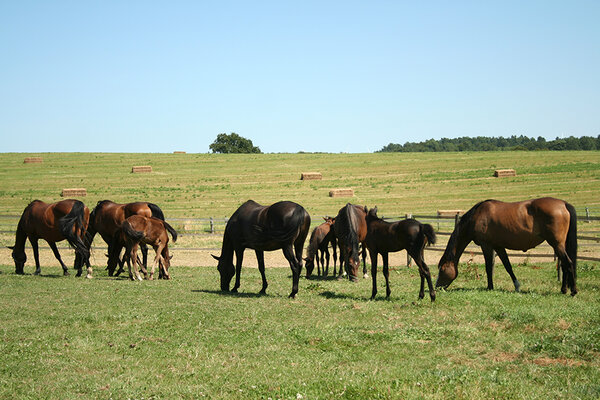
(319, 241)
(153, 231)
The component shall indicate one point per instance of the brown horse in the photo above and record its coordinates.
(351, 230)
(138, 229)
(283, 225)
(106, 219)
(319, 241)
(385, 237)
(497, 226)
(66, 219)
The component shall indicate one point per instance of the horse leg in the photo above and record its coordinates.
(364, 260)
(318, 261)
(373, 255)
(57, 255)
(295, 267)
(504, 258)
(36, 255)
(568, 271)
(334, 248)
(417, 255)
(239, 257)
(386, 274)
(488, 255)
(134, 260)
(260, 257)
(144, 249)
(326, 269)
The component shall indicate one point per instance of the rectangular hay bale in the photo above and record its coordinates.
(305, 176)
(73, 192)
(449, 213)
(341, 193)
(141, 169)
(499, 173)
(33, 160)
(179, 152)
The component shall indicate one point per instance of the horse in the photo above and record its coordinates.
(319, 241)
(283, 225)
(139, 229)
(106, 219)
(66, 219)
(496, 226)
(351, 230)
(385, 237)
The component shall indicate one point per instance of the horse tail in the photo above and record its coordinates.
(157, 213)
(171, 230)
(429, 233)
(131, 233)
(571, 242)
(75, 219)
(347, 229)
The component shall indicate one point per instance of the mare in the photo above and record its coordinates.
(385, 237)
(351, 230)
(106, 219)
(283, 225)
(319, 241)
(139, 229)
(66, 219)
(496, 226)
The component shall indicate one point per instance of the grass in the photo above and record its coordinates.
(64, 337)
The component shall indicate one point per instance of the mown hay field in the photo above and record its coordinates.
(66, 337)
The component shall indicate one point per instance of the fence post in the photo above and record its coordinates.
(587, 215)
(212, 225)
(408, 257)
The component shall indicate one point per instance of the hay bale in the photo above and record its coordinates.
(179, 152)
(449, 213)
(499, 173)
(33, 160)
(73, 192)
(341, 193)
(141, 169)
(306, 176)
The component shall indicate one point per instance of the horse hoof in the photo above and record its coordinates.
(292, 295)
(66, 273)
(517, 286)
(365, 276)
(89, 277)
(432, 298)
(234, 290)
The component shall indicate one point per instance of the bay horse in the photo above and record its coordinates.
(138, 229)
(385, 237)
(319, 241)
(283, 225)
(351, 230)
(496, 226)
(106, 219)
(66, 219)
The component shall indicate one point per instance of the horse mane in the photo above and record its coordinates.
(346, 219)
(463, 222)
(99, 205)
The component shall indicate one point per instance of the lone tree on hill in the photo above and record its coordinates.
(233, 143)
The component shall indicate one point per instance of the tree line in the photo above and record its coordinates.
(482, 143)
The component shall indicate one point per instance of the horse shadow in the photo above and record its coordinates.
(321, 278)
(333, 295)
(231, 294)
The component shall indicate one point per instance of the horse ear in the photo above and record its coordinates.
(325, 218)
(215, 257)
(375, 209)
(170, 258)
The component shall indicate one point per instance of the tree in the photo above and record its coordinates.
(233, 143)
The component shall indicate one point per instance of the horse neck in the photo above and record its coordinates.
(456, 245)
(227, 247)
(20, 238)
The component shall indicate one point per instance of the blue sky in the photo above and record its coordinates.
(338, 76)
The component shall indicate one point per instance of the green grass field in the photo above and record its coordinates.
(64, 337)
(67, 337)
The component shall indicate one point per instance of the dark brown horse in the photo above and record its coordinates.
(66, 219)
(351, 230)
(283, 225)
(319, 241)
(106, 219)
(497, 226)
(385, 237)
(138, 229)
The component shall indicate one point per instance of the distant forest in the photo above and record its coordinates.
(482, 143)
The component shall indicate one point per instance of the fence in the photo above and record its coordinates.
(588, 232)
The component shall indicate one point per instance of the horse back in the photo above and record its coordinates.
(137, 208)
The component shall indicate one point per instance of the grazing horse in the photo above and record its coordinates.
(385, 237)
(138, 229)
(66, 219)
(351, 230)
(497, 226)
(319, 241)
(283, 225)
(106, 219)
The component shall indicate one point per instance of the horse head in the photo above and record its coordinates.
(20, 258)
(226, 270)
(310, 266)
(447, 272)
